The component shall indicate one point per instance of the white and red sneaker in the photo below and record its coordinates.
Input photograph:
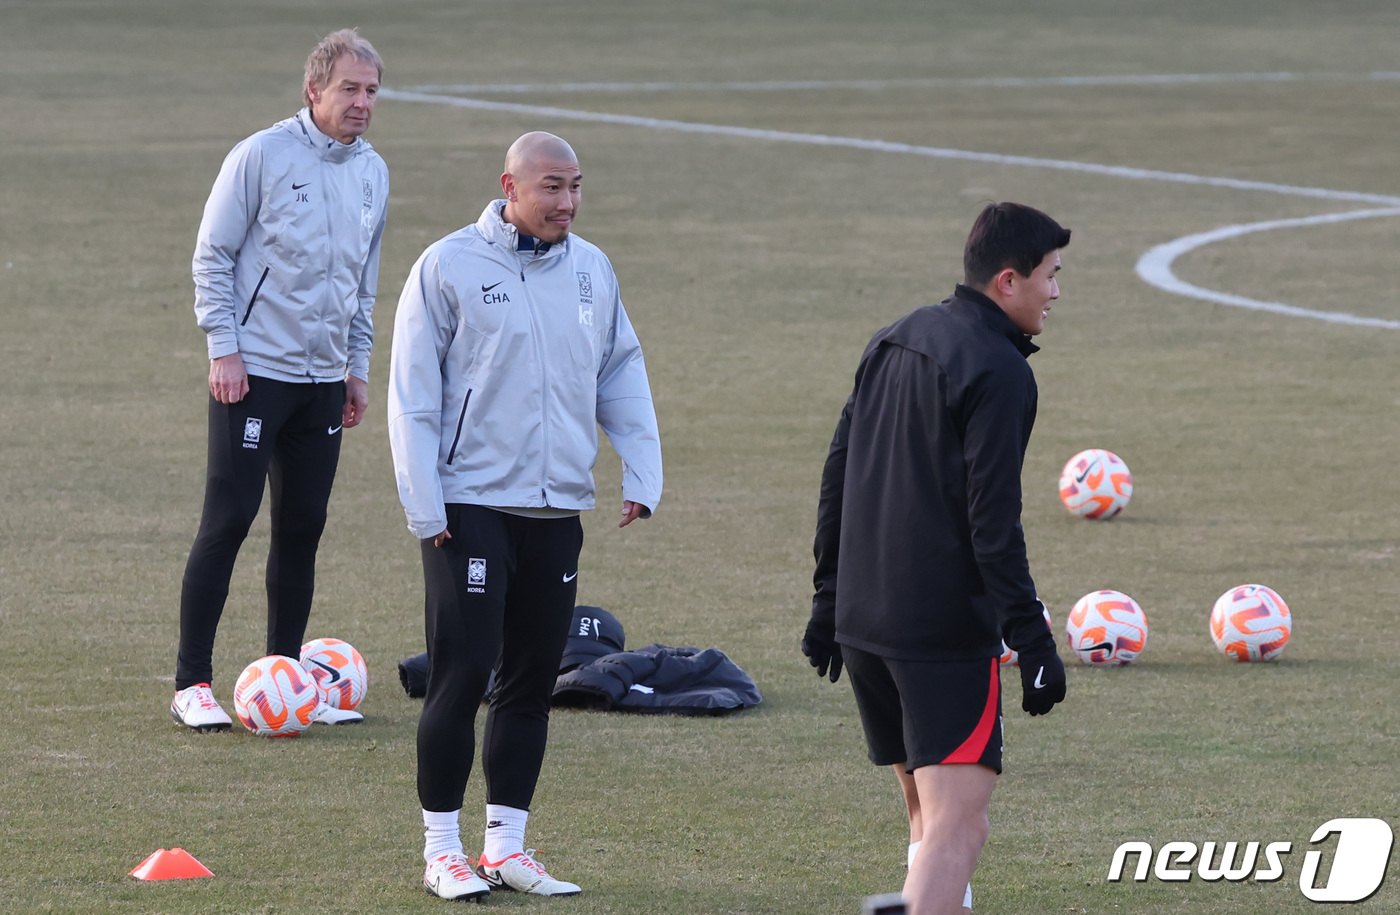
(522, 873)
(197, 709)
(329, 714)
(450, 876)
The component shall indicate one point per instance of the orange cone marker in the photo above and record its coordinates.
(175, 864)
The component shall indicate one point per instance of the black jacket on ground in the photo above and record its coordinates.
(919, 548)
(659, 680)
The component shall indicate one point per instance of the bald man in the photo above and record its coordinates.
(511, 348)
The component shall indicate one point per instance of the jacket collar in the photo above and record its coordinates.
(993, 317)
(497, 231)
(328, 148)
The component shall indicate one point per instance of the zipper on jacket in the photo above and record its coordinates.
(538, 324)
(254, 297)
(452, 452)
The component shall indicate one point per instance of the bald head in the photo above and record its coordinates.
(543, 186)
(534, 148)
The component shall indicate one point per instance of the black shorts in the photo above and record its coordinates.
(927, 713)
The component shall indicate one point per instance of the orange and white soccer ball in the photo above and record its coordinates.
(275, 697)
(1106, 629)
(1250, 623)
(1008, 655)
(1096, 484)
(338, 670)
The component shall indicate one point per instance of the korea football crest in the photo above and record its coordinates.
(585, 300)
(252, 432)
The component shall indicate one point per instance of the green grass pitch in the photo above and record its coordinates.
(1264, 447)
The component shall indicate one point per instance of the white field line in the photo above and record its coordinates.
(1154, 267)
(975, 82)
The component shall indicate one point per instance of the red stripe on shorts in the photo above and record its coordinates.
(972, 748)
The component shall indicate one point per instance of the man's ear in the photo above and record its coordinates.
(1005, 281)
(313, 93)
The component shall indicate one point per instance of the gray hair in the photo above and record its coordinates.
(322, 58)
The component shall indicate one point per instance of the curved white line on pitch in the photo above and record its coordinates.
(1155, 267)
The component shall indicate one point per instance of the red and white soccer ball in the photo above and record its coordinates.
(1096, 484)
(338, 670)
(1106, 629)
(275, 697)
(1010, 657)
(1250, 623)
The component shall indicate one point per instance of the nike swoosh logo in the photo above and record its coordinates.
(568, 578)
(1080, 477)
(1039, 679)
(335, 674)
(486, 288)
(1102, 646)
(297, 187)
(330, 431)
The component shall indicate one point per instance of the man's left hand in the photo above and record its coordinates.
(822, 650)
(631, 511)
(356, 400)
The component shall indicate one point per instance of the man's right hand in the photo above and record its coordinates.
(442, 538)
(1042, 679)
(822, 651)
(228, 379)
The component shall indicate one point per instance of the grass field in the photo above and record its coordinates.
(1263, 446)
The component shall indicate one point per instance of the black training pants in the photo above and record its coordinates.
(286, 435)
(500, 594)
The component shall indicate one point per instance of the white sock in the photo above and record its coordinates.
(505, 832)
(440, 834)
(967, 894)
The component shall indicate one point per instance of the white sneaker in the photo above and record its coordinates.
(451, 877)
(197, 709)
(329, 714)
(522, 873)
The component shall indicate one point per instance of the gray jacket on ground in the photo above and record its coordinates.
(286, 264)
(504, 365)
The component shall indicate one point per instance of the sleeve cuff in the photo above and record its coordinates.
(224, 343)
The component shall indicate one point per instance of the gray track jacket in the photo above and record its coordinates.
(287, 259)
(503, 368)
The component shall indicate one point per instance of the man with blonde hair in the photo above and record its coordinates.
(286, 267)
(511, 349)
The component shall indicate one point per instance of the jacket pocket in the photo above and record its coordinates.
(254, 297)
(461, 419)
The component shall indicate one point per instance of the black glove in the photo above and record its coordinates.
(1042, 679)
(823, 651)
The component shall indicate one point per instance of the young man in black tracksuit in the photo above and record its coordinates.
(921, 560)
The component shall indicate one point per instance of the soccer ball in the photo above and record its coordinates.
(275, 697)
(338, 670)
(1106, 629)
(1250, 623)
(1008, 655)
(1096, 484)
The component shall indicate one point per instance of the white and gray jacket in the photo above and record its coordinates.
(504, 365)
(287, 260)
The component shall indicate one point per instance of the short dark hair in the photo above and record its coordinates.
(1009, 235)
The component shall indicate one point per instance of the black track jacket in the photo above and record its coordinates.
(919, 548)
